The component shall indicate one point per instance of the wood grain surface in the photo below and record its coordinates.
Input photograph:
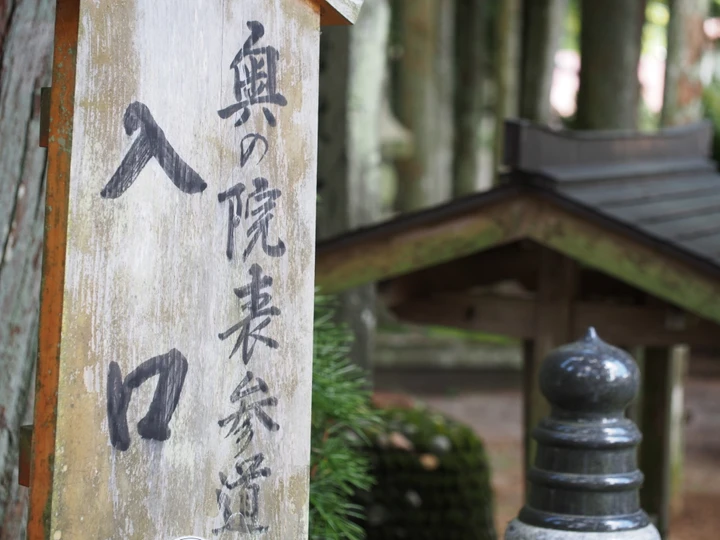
(191, 121)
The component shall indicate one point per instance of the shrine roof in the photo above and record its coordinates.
(643, 208)
(663, 185)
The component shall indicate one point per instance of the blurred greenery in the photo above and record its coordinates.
(654, 40)
(715, 8)
(711, 103)
(433, 479)
(341, 408)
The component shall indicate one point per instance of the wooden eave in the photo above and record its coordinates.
(338, 12)
(515, 212)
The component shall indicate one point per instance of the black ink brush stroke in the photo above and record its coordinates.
(246, 150)
(171, 368)
(150, 142)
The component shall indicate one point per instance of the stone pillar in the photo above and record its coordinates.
(585, 483)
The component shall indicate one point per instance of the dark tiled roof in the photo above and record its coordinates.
(664, 185)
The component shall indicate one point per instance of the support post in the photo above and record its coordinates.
(557, 285)
(175, 352)
(661, 449)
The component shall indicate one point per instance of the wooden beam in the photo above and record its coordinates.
(513, 317)
(486, 268)
(632, 326)
(553, 327)
(387, 252)
(644, 326)
(373, 257)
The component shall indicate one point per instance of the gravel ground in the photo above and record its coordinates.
(491, 404)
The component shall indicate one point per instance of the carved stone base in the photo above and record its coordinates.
(517, 530)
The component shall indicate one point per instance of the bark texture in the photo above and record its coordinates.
(469, 105)
(26, 37)
(610, 40)
(424, 100)
(542, 29)
(352, 84)
(687, 44)
(509, 17)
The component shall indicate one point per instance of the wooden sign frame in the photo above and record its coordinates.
(49, 460)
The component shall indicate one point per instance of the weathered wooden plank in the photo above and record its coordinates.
(26, 33)
(180, 243)
(641, 190)
(480, 269)
(628, 260)
(393, 253)
(651, 213)
(62, 103)
(394, 250)
(514, 317)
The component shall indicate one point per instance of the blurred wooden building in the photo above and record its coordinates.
(620, 231)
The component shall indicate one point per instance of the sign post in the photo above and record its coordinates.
(174, 375)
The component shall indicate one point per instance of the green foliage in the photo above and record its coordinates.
(432, 479)
(654, 36)
(711, 103)
(340, 412)
(571, 31)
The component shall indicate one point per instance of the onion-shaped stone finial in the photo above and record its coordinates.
(585, 477)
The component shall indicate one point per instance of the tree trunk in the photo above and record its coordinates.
(542, 29)
(687, 44)
(424, 101)
(469, 82)
(610, 39)
(509, 15)
(353, 69)
(26, 37)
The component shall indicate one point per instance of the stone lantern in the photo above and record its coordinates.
(585, 483)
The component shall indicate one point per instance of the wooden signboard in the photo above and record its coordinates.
(174, 376)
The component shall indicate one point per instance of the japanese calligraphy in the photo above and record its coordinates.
(240, 420)
(251, 206)
(258, 306)
(247, 147)
(171, 369)
(255, 71)
(244, 517)
(150, 143)
(259, 205)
